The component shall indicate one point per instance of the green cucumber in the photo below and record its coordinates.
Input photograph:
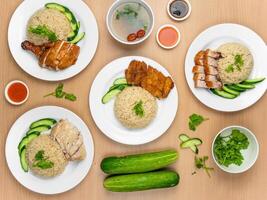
(44, 121)
(139, 162)
(27, 139)
(23, 161)
(223, 94)
(69, 15)
(191, 142)
(253, 81)
(236, 88)
(120, 81)
(118, 86)
(183, 137)
(112, 93)
(78, 38)
(39, 129)
(142, 181)
(245, 86)
(229, 90)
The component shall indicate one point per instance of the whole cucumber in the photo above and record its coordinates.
(142, 181)
(138, 163)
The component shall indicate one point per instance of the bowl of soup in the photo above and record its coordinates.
(130, 21)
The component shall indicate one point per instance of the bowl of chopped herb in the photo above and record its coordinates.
(235, 149)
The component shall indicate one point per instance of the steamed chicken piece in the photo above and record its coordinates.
(57, 55)
(69, 139)
(141, 74)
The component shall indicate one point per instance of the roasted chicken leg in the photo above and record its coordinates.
(57, 55)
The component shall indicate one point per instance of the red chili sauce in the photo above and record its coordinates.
(168, 36)
(17, 92)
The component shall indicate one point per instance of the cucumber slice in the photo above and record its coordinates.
(236, 88)
(78, 38)
(223, 94)
(112, 93)
(23, 161)
(245, 86)
(183, 137)
(119, 81)
(194, 149)
(229, 90)
(39, 129)
(118, 86)
(44, 121)
(27, 139)
(253, 81)
(190, 143)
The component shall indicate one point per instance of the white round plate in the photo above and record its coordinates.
(74, 172)
(103, 114)
(29, 62)
(212, 38)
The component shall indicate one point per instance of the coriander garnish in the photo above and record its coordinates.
(44, 31)
(200, 163)
(195, 120)
(59, 93)
(138, 109)
(41, 161)
(238, 64)
(227, 149)
(128, 10)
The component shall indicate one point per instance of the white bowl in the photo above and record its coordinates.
(176, 29)
(183, 18)
(250, 154)
(6, 92)
(112, 9)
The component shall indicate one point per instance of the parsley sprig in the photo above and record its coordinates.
(195, 120)
(44, 31)
(200, 163)
(139, 109)
(59, 93)
(227, 149)
(41, 161)
(238, 64)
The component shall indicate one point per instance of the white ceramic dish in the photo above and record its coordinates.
(13, 102)
(74, 172)
(183, 18)
(103, 114)
(250, 155)
(212, 38)
(112, 9)
(28, 62)
(176, 29)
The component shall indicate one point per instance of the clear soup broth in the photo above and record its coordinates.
(130, 21)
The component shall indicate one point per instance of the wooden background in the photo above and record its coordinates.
(246, 186)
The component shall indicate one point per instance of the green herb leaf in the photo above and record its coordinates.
(70, 97)
(39, 155)
(138, 109)
(128, 11)
(230, 68)
(44, 31)
(227, 149)
(200, 163)
(239, 62)
(195, 120)
(59, 93)
(44, 164)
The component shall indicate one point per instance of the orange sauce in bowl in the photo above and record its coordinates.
(17, 92)
(168, 36)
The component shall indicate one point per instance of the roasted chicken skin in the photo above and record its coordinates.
(57, 55)
(141, 74)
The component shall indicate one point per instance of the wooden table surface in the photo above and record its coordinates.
(246, 186)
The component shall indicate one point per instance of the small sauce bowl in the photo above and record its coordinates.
(16, 92)
(168, 36)
(186, 2)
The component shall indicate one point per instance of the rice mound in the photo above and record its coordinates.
(54, 20)
(229, 50)
(125, 103)
(51, 150)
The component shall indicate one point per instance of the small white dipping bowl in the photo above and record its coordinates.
(6, 92)
(182, 18)
(250, 154)
(171, 26)
(113, 8)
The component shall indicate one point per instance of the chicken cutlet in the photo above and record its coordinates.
(57, 55)
(140, 74)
